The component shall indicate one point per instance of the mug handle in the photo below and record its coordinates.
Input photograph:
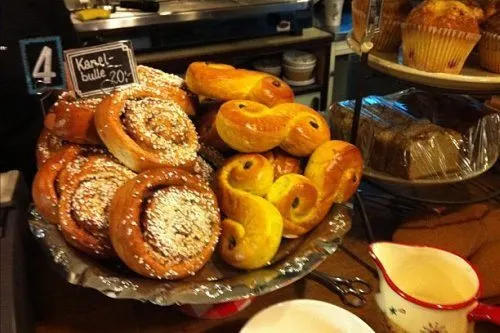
(484, 312)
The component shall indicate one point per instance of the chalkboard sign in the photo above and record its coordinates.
(43, 64)
(99, 69)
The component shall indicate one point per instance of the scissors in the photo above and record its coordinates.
(351, 291)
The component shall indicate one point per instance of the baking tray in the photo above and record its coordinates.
(217, 282)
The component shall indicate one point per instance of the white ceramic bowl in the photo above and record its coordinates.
(270, 66)
(304, 315)
(298, 74)
(299, 59)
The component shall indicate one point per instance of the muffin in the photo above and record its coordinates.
(439, 35)
(489, 46)
(491, 8)
(394, 13)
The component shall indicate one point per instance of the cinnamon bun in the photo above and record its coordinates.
(47, 145)
(164, 223)
(203, 170)
(171, 86)
(144, 130)
(55, 174)
(72, 119)
(208, 133)
(84, 204)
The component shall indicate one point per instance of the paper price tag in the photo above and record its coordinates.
(100, 69)
(43, 64)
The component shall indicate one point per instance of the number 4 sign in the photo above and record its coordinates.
(43, 64)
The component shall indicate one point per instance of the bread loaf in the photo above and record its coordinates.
(399, 144)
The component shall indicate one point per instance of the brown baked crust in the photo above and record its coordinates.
(492, 24)
(492, 7)
(46, 146)
(144, 129)
(396, 10)
(208, 132)
(224, 83)
(153, 77)
(47, 182)
(84, 202)
(283, 163)
(170, 85)
(251, 127)
(449, 14)
(72, 119)
(399, 151)
(203, 170)
(134, 225)
(476, 8)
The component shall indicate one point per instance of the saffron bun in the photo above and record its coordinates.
(251, 127)
(224, 82)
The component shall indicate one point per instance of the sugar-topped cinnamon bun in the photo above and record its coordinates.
(171, 86)
(84, 204)
(47, 145)
(72, 119)
(164, 223)
(145, 129)
(54, 175)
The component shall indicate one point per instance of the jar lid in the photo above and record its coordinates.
(299, 58)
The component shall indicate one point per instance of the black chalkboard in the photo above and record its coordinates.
(98, 69)
(43, 63)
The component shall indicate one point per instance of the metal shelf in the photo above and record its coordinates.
(315, 87)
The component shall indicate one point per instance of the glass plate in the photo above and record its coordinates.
(217, 282)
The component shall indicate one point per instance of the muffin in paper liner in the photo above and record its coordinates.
(489, 51)
(358, 23)
(389, 37)
(433, 49)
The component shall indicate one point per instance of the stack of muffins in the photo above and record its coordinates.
(437, 35)
(393, 14)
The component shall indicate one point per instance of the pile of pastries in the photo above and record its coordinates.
(122, 177)
(436, 35)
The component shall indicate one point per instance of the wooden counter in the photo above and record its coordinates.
(63, 308)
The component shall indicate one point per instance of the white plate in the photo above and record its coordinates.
(304, 315)
(472, 79)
